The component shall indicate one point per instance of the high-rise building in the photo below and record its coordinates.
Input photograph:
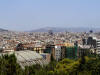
(98, 46)
(57, 53)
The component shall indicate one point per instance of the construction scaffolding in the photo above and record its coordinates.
(71, 52)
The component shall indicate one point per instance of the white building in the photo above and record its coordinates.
(57, 53)
(98, 46)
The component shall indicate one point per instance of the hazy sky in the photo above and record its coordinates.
(32, 14)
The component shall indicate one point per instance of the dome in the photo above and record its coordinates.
(28, 58)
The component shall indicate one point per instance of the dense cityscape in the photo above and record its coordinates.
(59, 45)
(42, 48)
(49, 37)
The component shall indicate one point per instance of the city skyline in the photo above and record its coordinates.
(22, 15)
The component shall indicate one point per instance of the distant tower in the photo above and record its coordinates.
(50, 32)
(91, 31)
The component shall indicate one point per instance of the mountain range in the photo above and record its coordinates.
(60, 29)
(72, 29)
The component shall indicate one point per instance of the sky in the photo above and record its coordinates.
(22, 15)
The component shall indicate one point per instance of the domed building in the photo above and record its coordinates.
(28, 58)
